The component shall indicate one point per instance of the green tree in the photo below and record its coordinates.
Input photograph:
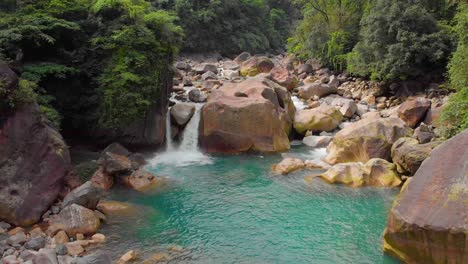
(455, 113)
(399, 40)
(328, 30)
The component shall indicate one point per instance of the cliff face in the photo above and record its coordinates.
(34, 160)
(428, 222)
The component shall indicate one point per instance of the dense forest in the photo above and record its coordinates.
(101, 61)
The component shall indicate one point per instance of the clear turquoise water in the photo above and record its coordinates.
(231, 209)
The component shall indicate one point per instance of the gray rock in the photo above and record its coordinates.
(200, 69)
(61, 250)
(305, 68)
(35, 243)
(86, 195)
(65, 259)
(46, 256)
(182, 65)
(116, 148)
(19, 238)
(197, 96)
(182, 113)
(95, 258)
(5, 225)
(316, 89)
(209, 75)
(348, 109)
(27, 255)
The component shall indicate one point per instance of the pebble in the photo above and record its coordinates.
(61, 237)
(35, 243)
(61, 250)
(15, 231)
(80, 237)
(5, 225)
(99, 238)
(18, 238)
(74, 249)
(129, 256)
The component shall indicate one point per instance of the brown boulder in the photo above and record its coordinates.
(34, 161)
(366, 139)
(408, 154)
(182, 113)
(428, 221)
(414, 111)
(284, 78)
(144, 181)
(310, 90)
(256, 65)
(102, 180)
(288, 165)
(376, 172)
(253, 115)
(322, 118)
(74, 219)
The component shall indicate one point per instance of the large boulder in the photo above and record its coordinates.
(408, 154)
(74, 219)
(318, 89)
(322, 118)
(284, 78)
(255, 114)
(428, 221)
(414, 111)
(34, 161)
(366, 139)
(256, 65)
(376, 172)
(181, 113)
(86, 195)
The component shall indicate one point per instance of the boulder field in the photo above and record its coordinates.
(252, 115)
(428, 222)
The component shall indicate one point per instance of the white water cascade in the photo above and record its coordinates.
(187, 153)
(169, 142)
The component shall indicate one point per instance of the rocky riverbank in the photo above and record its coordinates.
(375, 134)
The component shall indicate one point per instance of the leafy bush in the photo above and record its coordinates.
(399, 40)
(455, 113)
(328, 30)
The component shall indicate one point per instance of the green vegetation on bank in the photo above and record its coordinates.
(455, 113)
(390, 40)
(90, 61)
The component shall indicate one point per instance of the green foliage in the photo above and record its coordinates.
(233, 26)
(328, 30)
(138, 46)
(90, 63)
(41, 71)
(455, 113)
(399, 40)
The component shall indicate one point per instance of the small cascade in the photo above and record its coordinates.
(190, 137)
(298, 103)
(169, 141)
(187, 153)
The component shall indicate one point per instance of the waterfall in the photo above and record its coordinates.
(190, 137)
(188, 153)
(169, 142)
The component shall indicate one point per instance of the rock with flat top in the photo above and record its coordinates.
(428, 220)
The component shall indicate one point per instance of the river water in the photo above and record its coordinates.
(231, 209)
